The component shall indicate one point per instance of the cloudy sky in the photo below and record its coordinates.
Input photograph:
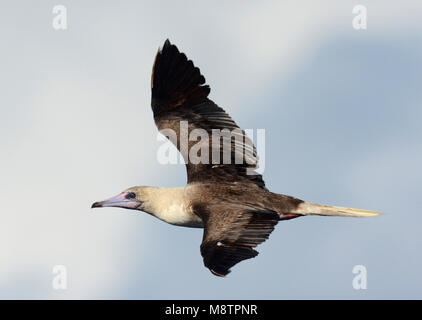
(341, 109)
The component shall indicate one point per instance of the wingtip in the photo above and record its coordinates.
(165, 46)
(218, 274)
(167, 43)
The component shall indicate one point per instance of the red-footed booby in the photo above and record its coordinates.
(226, 198)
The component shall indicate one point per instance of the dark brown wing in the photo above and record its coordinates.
(181, 106)
(231, 233)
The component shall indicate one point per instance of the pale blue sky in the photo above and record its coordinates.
(342, 113)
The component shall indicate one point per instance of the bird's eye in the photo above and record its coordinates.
(131, 195)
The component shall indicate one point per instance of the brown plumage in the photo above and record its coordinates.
(179, 94)
(226, 198)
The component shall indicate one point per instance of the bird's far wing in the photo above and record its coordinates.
(231, 233)
(213, 146)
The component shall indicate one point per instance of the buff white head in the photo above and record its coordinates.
(167, 204)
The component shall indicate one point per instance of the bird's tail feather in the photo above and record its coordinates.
(309, 208)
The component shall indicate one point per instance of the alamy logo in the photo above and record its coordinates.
(59, 277)
(360, 280)
(221, 147)
(359, 21)
(59, 17)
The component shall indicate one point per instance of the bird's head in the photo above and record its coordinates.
(135, 198)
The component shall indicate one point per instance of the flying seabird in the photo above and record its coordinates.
(228, 199)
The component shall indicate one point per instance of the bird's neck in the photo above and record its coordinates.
(172, 205)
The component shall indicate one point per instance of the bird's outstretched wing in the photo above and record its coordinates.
(231, 233)
(181, 106)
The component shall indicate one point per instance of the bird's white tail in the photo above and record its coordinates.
(309, 208)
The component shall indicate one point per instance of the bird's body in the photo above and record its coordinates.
(177, 205)
(228, 199)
